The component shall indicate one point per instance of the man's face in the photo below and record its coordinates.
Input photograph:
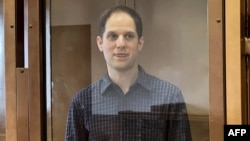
(120, 44)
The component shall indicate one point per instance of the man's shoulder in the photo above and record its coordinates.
(165, 89)
(90, 89)
(161, 84)
(87, 90)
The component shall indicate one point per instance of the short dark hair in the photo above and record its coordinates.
(120, 8)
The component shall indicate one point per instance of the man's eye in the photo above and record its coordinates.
(129, 36)
(112, 36)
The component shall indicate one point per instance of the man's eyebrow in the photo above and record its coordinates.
(127, 32)
(130, 32)
(111, 32)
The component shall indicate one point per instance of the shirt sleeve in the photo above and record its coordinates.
(179, 127)
(75, 129)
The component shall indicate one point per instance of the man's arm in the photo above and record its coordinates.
(179, 122)
(75, 130)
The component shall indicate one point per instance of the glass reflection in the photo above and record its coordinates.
(176, 49)
(2, 90)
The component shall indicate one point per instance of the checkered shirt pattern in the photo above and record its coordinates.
(152, 110)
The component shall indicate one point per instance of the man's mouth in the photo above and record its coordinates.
(121, 55)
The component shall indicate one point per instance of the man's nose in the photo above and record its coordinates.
(120, 42)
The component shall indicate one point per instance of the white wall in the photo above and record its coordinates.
(176, 41)
(81, 12)
(176, 46)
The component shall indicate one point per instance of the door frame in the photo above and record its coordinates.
(217, 83)
(23, 84)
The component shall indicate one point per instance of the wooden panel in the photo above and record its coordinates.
(35, 73)
(22, 104)
(10, 70)
(71, 70)
(233, 65)
(2, 137)
(199, 127)
(216, 70)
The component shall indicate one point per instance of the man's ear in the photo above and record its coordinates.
(99, 42)
(140, 43)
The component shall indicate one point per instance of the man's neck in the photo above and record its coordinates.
(124, 79)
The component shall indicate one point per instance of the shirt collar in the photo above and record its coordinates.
(142, 79)
(106, 82)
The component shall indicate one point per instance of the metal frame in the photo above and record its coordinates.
(234, 84)
(216, 69)
(29, 82)
(10, 69)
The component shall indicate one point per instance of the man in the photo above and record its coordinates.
(127, 104)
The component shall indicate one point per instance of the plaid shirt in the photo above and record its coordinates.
(152, 110)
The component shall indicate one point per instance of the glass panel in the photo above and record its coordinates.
(176, 50)
(2, 81)
(176, 38)
(73, 31)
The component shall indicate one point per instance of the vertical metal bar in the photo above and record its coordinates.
(35, 71)
(248, 96)
(2, 78)
(26, 28)
(233, 62)
(243, 34)
(48, 70)
(10, 69)
(247, 31)
(22, 104)
(248, 62)
(246, 59)
(216, 69)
